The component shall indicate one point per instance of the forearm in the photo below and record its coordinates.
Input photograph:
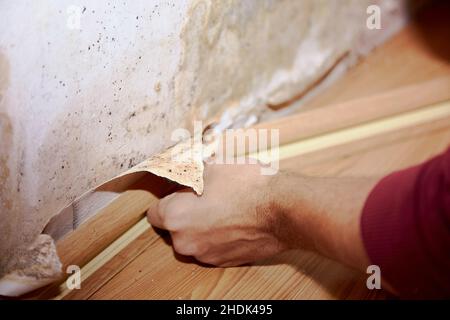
(323, 215)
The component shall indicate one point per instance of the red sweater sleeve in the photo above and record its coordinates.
(405, 227)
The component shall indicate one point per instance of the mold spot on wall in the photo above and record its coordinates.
(140, 121)
(157, 87)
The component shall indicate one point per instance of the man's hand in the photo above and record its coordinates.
(244, 216)
(234, 222)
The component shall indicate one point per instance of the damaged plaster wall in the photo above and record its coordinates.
(81, 105)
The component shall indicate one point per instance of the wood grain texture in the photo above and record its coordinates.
(337, 116)
(366, 130)
(91, 238)
(113, 266)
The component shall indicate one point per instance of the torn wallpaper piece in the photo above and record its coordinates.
(39, 264)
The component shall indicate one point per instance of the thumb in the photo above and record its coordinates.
(154, 216)
(163, 212)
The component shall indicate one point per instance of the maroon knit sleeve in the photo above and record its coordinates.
(405, 227)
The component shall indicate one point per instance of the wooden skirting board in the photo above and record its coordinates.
(384, 130)
(338, 116)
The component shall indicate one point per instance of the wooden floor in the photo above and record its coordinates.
(147, 268)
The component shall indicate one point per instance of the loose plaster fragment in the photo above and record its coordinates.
(35, 267)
